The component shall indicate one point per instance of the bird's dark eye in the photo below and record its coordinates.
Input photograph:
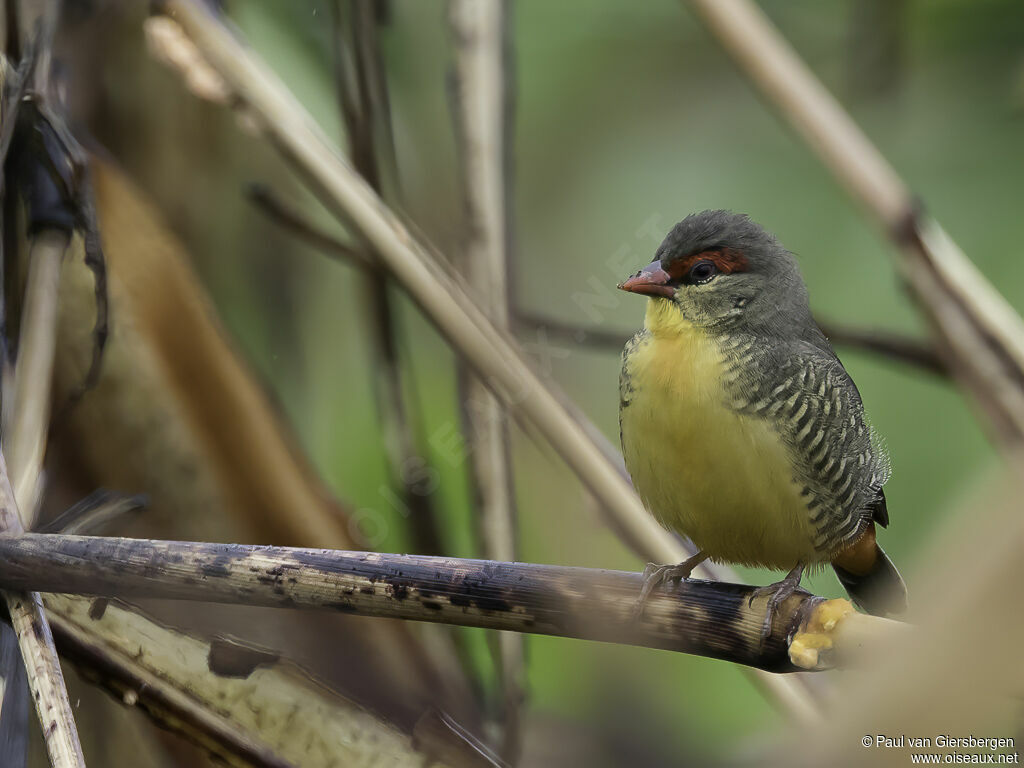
(701, 272)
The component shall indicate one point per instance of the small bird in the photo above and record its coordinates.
(740, 427)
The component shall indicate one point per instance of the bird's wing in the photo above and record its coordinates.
(805, 392)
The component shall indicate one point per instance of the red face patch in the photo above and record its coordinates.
(726, 261)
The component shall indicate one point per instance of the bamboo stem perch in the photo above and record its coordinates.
(713, 619)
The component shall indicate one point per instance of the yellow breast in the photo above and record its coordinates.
(718, 477)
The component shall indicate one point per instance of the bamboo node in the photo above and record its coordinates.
(815, 638)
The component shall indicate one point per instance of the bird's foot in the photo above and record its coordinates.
(656, 575)
(777, 593)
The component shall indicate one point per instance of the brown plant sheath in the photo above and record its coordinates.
(178, 416)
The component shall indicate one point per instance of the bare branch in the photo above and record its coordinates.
(294, 222)
(893, 346)
(480, 105)
(707, 618)
(494, 356)
(980, 335)
(364, 104)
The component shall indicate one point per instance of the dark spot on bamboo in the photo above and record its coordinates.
(97, 608)
(474, 590)
(218, 568)
(906, 231)
(231, 658)
(399, 591)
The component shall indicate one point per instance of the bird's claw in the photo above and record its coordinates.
(777, 593)
(655, 575)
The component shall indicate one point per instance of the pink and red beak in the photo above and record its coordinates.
(652, 280)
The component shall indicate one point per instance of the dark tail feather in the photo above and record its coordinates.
(880, 591)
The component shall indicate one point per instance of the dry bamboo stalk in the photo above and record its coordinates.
(238, 703)
(481, 105)
(441, 297)
(14, 715)
(706, 618)
(37, 650)
(28, 412)
(980, 334)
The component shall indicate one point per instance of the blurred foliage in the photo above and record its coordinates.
(628, 117)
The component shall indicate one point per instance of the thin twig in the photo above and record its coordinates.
(276, 209)
(707, 618)
(364, 104)
(887, 344)
(366, 112)
(496, 358)
(979, 333)
(94, 512)
(893, 346)
(480, 103)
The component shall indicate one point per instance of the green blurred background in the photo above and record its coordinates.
(628, 117)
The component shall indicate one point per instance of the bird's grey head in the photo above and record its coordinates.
(722, 271)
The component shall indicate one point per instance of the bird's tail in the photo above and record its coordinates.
(877, 589)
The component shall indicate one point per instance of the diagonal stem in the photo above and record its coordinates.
(45, 678)
(496, 358)
(981, 337)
